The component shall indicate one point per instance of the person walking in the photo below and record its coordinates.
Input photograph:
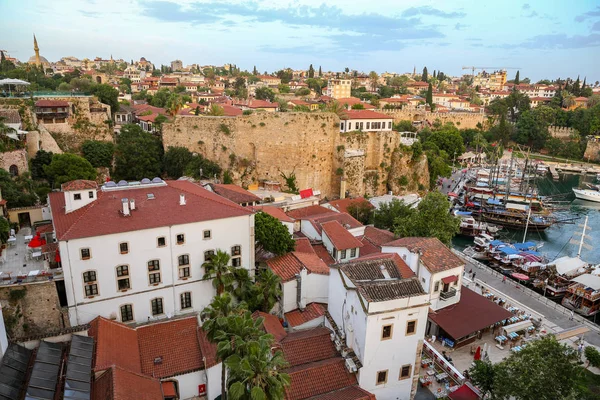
(473, 279)
(504, 279)
(572, 315)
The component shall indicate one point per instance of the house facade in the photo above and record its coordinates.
(366, 121)
(134, 252)
(339, 88)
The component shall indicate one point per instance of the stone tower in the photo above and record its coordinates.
(38, 62)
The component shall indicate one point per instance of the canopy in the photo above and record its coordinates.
(9, 81)
(530, 257)
(519, 326)
(524, 245)
(521, 277)
(589, 280)
(452, 194)
(36, 242)
(509, 250)
(497, 242)
(450, 279)
(57, 256)
(566, 265)
(465, 392)
(494, 202)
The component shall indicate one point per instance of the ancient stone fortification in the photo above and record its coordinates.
(264, 146)
(462, 120)
(592, 151)
(17, 158)
(32, 309)
(561, 132)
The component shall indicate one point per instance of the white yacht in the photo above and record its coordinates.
(592, 194)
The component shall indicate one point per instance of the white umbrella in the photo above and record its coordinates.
(9, 82)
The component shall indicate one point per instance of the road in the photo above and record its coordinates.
(553, 312)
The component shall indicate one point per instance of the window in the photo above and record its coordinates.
(390, 125)
(124, 248)
(157, 306)
(368, 125)
(206, 234)
(85, 254)
(123, 277)
(236, 251)
(126, 313)
(236, 262)
(353, 253)
(411, 328)
(342, 126)
(405, 371)
(184, 266)
(181, 238)
(382, 377)
(186, 300)
(161, 241)
(90, 284)
(386, 332)
(349, 125)
(154, 272)
(91, 194)
(343, 254)
(208, 255)
(436, 287)
(77, 196)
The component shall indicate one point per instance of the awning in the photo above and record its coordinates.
(521, 277)
(464, 393)
(519, 326)
(569, 333)
(169, 389)
(450, 279)
(508, 250)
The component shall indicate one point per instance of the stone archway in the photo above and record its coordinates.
(13, 170)
(98, 79)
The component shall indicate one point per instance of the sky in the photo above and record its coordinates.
(544, 39)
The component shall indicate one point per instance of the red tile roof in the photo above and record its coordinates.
(234, 193)
(347, 393)
(261, 104)
(368, 247)
(312, 311)
(436, 256)
(79, 184)
(231, 111)
(116, 344)
(303, 246)
(378, 236)
(309, 211)
(156, 341)
(289, 265)
(401, 266)
(102, 217)
(51, 103)
(318, 378)
(344, 219)
(271, 325)
(365, 114)
(117, 383)
(208, 349)
(308, 346)
(323, 254)
(343, 204)
(339, 236)
(472, 313)
(273, 212)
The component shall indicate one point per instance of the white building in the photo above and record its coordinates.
(380, 310)
(3, 337)
(437, 268)
(339, 88)
(134, 252)
(366, 121)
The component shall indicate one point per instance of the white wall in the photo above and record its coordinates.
(315, 289)
(188, 383)
(105, 257)
(213, 377)
(338, 257)
(436, 302)
(3, 338)
(71, 204)
(354, 125)
(289, 226)
(309, 230)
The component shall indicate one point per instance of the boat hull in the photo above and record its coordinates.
(588, 195)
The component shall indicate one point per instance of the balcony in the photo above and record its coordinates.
(448, 295)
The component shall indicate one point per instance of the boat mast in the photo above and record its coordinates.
(582, 236)
(527, 223)
(509, 177)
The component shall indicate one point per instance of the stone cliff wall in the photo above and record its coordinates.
(263, 146)
(592, 151)
(462, 120)
(17, 158)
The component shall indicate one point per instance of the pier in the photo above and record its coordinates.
(553, 172)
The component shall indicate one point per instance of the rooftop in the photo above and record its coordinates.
(274, 212)
(155, 207)
(234, 193)
(311, 312)
(339, 236)
(79, 184)
(365, 114)
(289, 265)
(51, 103)
(343, 204)
(436, 256)
(309, 211)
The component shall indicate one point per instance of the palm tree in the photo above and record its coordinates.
(217, 269)
(568, 100)
(174, 104)
(5, 129)
(216, 110)
(336, 108)
(269, 290)
(243, 285)
(257, 375)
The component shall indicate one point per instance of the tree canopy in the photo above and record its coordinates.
(176, 160)
(68, 167)
(271, 235)
(99, 154)
(138, 154)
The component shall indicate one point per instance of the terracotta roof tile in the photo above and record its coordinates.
(344, 219)
(436, 256)
(308, 346)
(309, 211)
(365, 114)
(312, 311)
(401, 266)
(290, 264)
(339, 236)
(116, 344)
(368, 248)
(11, 116)
(303, 246)
(234, 193)
(157, 341)
(51, 103)
(102, 217)
(318, 378)
(271, 325)
(347, 393)
(208, 349)
(79, 184)
(120, 384)
(343, 204)
(275, 212)
(323, 254)
(378, 236)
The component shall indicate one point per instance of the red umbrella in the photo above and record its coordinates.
(57, 256)
(477, 354)
(452, 194)
(521, 277)
(36, 242)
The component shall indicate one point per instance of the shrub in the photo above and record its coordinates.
(339, 171)
(262, 124)
(225, 129)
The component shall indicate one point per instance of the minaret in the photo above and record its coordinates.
(38, 62)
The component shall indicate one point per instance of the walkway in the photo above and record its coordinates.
(557, 316)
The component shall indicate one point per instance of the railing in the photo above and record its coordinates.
(443, 363)
(448, 295)
(43, 276)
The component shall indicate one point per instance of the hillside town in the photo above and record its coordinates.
(190, 231)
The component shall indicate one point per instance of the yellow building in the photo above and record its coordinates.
(339, 88)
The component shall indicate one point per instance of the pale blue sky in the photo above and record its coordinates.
(546, 39)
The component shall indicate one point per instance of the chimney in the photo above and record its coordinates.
(125, 203)
(132, 204)
(343, 189)
(182, 199)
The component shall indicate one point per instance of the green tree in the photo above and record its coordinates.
(108, 95)
(18, 192)
(433, 207)
(302, 92)
(373, 80)
(311, 71)
(4, 230)
(176, 160)
(41, 159)
(264, 93)
(217, 269)
(483, 374)
(68, 167)
(215, 110)
(593, 356)
(271, 235)
(429, 97)
(424, 76)
(283, 88)
(99, 154)
(517, 80)
(361, 211)
(320, 72)
(388, 213)
(336, 108)
(267, 290)
(160, 98)
(254, 71)
(138, 154)
(417, 151)
(200, 167)
(358, 106)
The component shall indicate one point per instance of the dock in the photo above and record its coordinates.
(553, 172)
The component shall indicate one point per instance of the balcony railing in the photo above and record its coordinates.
(448, 295)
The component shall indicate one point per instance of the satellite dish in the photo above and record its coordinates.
(122, 183)
(146, 181)
(110, 184)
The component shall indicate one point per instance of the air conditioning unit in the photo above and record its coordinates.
(344, 353)
(350, 365)
(338, 344)
(332, 336)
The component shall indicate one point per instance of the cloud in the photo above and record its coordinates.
(430, 11)
(531, 14)
(460, 26)
(474, 39)
(596, 26)
(559, 41)
(91, 14)
(590, 14)
(357, 32)
(526, 6)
